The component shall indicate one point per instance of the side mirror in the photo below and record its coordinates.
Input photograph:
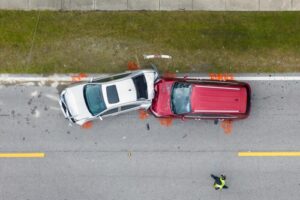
(154, 67)
(156, 72)
(100, 118)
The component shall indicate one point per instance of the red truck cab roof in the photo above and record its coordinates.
(218, 99)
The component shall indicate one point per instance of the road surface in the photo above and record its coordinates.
(119, 158)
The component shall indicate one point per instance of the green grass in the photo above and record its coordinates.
(98, 42)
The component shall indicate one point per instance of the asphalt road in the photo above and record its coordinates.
(119, 158)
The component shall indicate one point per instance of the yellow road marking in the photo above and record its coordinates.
(22, 155)
(266, 154)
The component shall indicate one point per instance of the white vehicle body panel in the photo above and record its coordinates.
(126, 92)
(150, 78)
(76, 104)
(76, 109)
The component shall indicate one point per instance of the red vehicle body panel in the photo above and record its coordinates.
(162, 105)
(212, 99)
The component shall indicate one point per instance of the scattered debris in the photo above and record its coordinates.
(34, 111)
(41, 83)
(40, 95)
(143, 114)
(37, 113)
(87, 125)
(30, 101)
(52, 97)
(34, 94)
(54, 84)
(227, 126)
(79, 77)
(166, 121)
(13, 113)
(216, 121)
(132, 65)
(221, 77)
(26, 84)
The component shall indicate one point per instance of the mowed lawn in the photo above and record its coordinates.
(101, 42)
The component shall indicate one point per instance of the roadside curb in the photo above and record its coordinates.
(155, 5)
(20, 78)
(23, 78)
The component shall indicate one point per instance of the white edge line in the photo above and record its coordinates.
(14, 79)
(38, 79)
(256, 78)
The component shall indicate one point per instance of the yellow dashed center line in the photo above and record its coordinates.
(22, 155)
(268, 154)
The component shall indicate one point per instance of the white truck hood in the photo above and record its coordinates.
(76, 104)
(150, 78)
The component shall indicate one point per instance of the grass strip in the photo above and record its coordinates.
(101, 42)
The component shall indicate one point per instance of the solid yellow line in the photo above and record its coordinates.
(266, 154)
(22, 155)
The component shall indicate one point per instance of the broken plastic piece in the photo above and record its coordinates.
(79, 77)
(132, 65)
(227, 126)
(157, 56)
(221, 77)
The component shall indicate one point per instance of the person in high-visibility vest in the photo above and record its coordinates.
(219, 183)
